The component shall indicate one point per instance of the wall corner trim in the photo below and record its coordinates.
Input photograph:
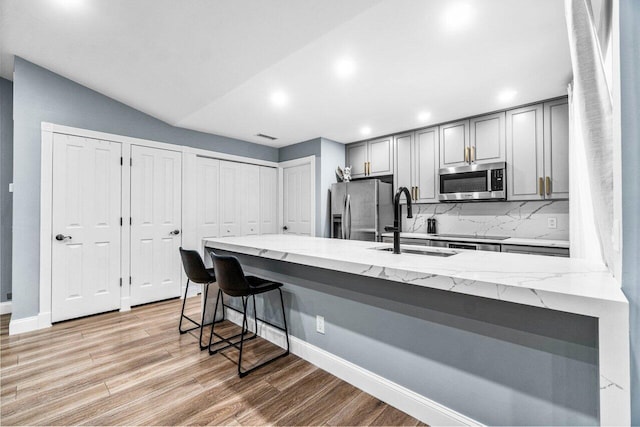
(5, 307)
(400, 397)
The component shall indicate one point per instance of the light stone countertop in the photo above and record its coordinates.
(510, 241)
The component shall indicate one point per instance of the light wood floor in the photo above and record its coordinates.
(135, 368)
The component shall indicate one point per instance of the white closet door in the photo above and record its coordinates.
(250, 199)
(86, 218)
(207, 195)
(297, 199)
(230, 202)
(268, 200)
(156, 182)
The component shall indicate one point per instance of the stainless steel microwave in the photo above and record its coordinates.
(473, 182)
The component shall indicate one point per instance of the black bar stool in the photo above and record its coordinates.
(196, 272)
(232, 281)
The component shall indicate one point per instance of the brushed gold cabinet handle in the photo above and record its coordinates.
(473, 154)
(417, 193)
(368, 168)
(414, 193)
(365, 168)
(548, 182)
(466, 154)
(541, 186)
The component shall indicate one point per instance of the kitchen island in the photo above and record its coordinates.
(507, 330)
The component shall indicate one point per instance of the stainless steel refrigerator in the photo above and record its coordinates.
(361, 209)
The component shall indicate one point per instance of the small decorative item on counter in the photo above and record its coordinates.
(347, 173)
(431, 226)
(339, 174)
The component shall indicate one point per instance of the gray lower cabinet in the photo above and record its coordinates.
(536, 250)
(537, 151)
(370, 158)
(417, 164)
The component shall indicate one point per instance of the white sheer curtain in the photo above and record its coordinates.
(591, 142)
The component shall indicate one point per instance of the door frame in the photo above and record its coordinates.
(311, 161)
(188, 234)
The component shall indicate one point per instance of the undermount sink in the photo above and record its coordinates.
(421, 251)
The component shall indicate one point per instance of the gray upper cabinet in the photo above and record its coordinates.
(525, 150)
(556, 149)
(477, 140)
(357, 159)
(454, 144)
(371, 158)
(426, 143)
(417, 164)
(487, 139)
(537, 151)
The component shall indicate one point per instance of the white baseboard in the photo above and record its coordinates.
(28, 324)
(5, 307)
(125, 304)
(408, 401)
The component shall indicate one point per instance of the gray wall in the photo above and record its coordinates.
(499, 363)
(6, 172)
(333, 154)
(43, 96)
(630, 90)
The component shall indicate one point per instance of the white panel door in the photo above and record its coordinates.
(156, 184)
(86, 219)
(207, 198)
(268, 200)
(230, 201)
(250, 199)
(297, 200)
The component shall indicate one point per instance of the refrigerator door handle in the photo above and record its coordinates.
(343, 232)
(348, 218)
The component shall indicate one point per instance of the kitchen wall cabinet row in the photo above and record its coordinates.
(532, 140)
(235, 199)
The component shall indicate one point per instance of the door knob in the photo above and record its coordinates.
(174, 232)
(61, 237)
(285, 228)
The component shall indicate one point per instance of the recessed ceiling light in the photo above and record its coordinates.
(507, 95)
(424, 116)
(279, 98)
(365, 130)
(70, 4)
(344, 67)
(457, 15)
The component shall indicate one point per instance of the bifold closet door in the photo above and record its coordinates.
(86, 228)
(156, 183)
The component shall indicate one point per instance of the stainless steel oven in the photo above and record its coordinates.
(473, 182)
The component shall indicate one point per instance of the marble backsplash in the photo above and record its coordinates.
(513, 219)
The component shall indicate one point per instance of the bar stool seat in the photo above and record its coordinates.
(232, 282)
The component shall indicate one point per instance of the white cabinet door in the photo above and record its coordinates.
(207, 223)
(268, 200)
(426, 165)
(357, 158)
(230, 201)
(156, 221)
(454, 139)
(525, 168)
(556, 149)
(487, 138)
(297, 200)
(250, 198)
(404, 163)
(380, 155)
(86, 210)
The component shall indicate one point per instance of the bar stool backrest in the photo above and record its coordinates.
(194, 267)
(230, 276)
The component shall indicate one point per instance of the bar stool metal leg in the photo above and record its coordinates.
(183, 316)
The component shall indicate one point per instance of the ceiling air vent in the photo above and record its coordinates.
(262, 135)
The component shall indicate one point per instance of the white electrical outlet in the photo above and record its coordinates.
(552, 222)
(320, 324)
(11, 187)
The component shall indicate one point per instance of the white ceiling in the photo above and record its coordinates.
(212, 65)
